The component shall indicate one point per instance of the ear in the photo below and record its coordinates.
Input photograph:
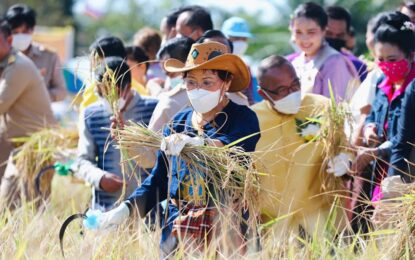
(125, 92)
(98, 89)
(199, 32)
(142, 66)
(262, 94)
(9, 40)
(227, 85)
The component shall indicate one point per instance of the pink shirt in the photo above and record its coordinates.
(330, 65)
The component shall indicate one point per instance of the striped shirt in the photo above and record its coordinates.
(97, 152)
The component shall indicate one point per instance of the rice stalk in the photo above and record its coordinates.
(229, 171)
(41, 149)
(333, 120)
(398, 214)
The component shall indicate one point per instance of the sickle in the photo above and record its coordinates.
(41, 173)
(65, 225)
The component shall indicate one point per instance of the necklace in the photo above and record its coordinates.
(199, 122)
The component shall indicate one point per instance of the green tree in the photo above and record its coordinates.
(49, 12)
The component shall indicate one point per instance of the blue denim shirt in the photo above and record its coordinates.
(232, 124)
(381, 111)
(402, 148)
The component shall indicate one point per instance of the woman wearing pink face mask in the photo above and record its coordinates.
(394, 48)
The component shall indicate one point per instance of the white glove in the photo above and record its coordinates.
(339, 165)
(114, 217)
(174, 144)
(392, 187)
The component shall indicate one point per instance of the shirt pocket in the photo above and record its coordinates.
(394, 120)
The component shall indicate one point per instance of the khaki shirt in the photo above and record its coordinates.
(50, 68)
(24, 101)
(292, 177)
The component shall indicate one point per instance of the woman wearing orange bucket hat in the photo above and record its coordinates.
(214, 120)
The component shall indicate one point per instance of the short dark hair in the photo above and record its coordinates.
(20, 14)
(108, 46)
(313, 11)
(171, 18)
(273, 61)
(137, 54)
(199, 18)
(119, 67)
(340, 13)
(215, 34)
(393, 31)
(176, 48)
(5, 28)
(222, 74)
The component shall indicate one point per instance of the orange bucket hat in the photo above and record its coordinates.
(213, 56)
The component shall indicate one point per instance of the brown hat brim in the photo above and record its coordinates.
(226, 62)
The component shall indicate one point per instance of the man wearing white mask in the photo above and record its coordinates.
(237, 30)
(22, 20)
(291, 155)
(238, 33)
(24, 107)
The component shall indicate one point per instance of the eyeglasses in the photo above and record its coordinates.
(283, 91)
(205, 84)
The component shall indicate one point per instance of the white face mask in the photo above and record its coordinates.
(289, 105)
(202, 100)
(173, 82)
(108, 107)
(21, 41)
(121, 103)
(239, 47)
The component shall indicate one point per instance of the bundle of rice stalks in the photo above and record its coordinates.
(39, 150)
(229, 170)
(397, 215)
(333, 120)
(109, 90)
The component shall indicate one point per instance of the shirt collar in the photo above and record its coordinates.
(34, 50)
(10, 58)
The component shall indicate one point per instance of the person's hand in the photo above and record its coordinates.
(363, 158)
(110, 182)
(114, 217)
(43, 72)
(174, 144)
(370, 135)
(392, 187)
(339, 165)
(116, 124)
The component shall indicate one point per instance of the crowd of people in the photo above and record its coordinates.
(193, 84)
